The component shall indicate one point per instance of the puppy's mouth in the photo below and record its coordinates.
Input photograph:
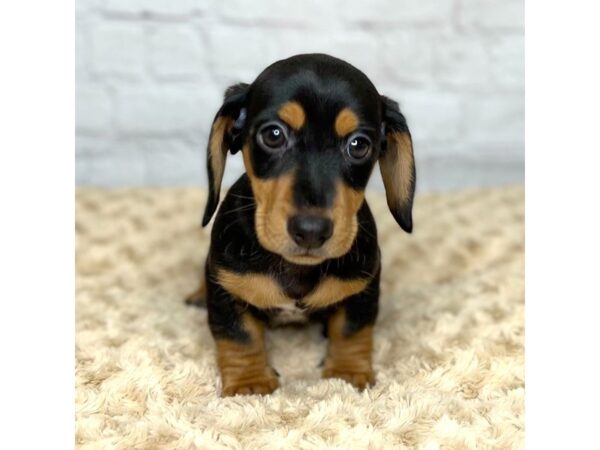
(305, 256)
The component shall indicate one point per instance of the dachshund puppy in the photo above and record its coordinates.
(294, 239)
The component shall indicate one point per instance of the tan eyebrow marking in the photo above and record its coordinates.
(346, 122)
(292, 113)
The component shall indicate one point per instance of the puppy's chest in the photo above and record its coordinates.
(289, 298)
(290, 313)
(293, 310)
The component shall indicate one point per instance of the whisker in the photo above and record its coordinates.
(369, 274)
(365, 230)
(241, 208)
(241, 196)
(233, 222)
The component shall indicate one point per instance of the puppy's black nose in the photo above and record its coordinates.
(310, 231)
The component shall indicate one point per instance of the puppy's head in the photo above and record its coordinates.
(311, 128)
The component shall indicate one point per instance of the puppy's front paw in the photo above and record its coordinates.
(359, 380)
(263, 384)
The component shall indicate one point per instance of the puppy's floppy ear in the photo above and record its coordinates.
(225, 135)
(397, 164)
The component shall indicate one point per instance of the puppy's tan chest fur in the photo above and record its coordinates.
(264, 292)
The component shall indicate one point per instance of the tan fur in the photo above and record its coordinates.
(396, 167)
(346, 122)
(263, 291)
(257, 289)
(332, 290)
(218, 152)
(273, 207)
(243, 366)
(349, 357)
(346, 204)
(292, 114)
(304, 260)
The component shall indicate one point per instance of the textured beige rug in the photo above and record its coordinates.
(448, 345)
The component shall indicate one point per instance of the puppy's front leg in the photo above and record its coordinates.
(243, 364)
(239, 337)
(350, 332)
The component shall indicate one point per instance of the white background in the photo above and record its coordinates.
(150, 76)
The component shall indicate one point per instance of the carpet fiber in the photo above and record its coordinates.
(448, 344)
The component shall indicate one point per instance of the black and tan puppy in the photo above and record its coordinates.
(294, 239)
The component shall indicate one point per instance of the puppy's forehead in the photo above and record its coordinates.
(316, 87)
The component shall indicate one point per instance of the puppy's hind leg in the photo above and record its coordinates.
(198, 297)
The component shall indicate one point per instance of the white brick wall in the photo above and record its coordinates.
(151, 73)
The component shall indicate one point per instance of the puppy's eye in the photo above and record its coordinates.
(272, 137)
(358, 148)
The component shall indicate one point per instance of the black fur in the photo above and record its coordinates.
(323, 86)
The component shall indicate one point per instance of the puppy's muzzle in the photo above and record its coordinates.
(310, 231)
